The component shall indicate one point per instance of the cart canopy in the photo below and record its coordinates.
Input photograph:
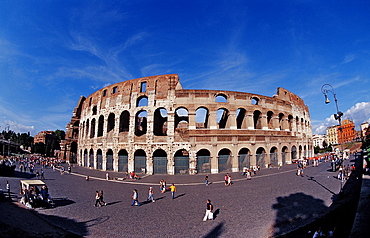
(28, 183)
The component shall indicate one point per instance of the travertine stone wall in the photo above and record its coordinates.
(153, 125)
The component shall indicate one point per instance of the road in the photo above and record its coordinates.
(273, 202)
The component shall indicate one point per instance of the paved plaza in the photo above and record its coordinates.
(272, 203)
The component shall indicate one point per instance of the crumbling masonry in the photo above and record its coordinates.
(152, 125)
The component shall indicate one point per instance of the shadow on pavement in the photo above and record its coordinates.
(59, 202)
(215, 232)
(295, 210)
(112, 203)
(339, 216)
(180, 195)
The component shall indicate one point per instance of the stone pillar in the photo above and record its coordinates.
(275, 123)
(231, 121)
(263, 119)
(212, 121)
(149, 164)
(249, 121)
(192, 120)
(214, 159)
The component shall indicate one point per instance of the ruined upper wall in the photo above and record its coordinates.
(160, 85)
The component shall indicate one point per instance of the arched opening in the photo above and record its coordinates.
(141, 123)
(240, 121)
(160, 122)
(86, 158)
(181, 118)
(181, 162)
(100, 126)
(109, 160)
(124, 121)
(94, 110)
(160, 162)
(201, 118)
(274, 157)
(87, 128)
(91, 159)
(290, 122)
(122, 161)
(142, 101)
(92, 132)
(99, 159)
(257, 119)
(244, 159)
(221, 98)
(224, 160)
(260, 157)
(75, 130)
(111, 123)
(270, 123)
(73, 154)
(284, 154)
(254, 100)
(221, 118)
(294, 153)
(140, 161)
(281, 121)
(203, 161)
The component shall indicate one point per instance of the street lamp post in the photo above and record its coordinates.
(338, 117)
(339, 114)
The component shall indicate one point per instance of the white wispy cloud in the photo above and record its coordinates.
(359, 113)
(348, 58)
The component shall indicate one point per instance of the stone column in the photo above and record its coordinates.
(249, 121)
(231, 121)
(192, 120)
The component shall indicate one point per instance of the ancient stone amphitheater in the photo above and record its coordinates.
(152, 125)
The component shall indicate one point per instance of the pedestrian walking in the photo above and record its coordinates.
(209, 211)
(150, 195)
(249, 177)
(226, 179)
(7, 187)
(69, 169)
(135, 198)
(37, 174)
(229, 182)
(206, 180)
(42, 174)
(107, 176)
(101, 198)
(173, 190)
(97, 199)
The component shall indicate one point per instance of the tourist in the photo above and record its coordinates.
(209, 211)
(150, 195)
(206, 180)
(135, 198)
(249, 177)
(229, 182)
(107, 176)
(101, 199)
(226, 179)
(42, 176)
(173, 190)
(97, 199)
(7, 187)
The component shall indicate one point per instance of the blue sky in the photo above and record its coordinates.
(52, 52)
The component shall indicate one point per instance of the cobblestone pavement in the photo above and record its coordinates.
(273, 202)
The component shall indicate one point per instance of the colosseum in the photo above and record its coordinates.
(152, 125)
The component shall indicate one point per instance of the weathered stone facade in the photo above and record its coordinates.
(152, 125)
